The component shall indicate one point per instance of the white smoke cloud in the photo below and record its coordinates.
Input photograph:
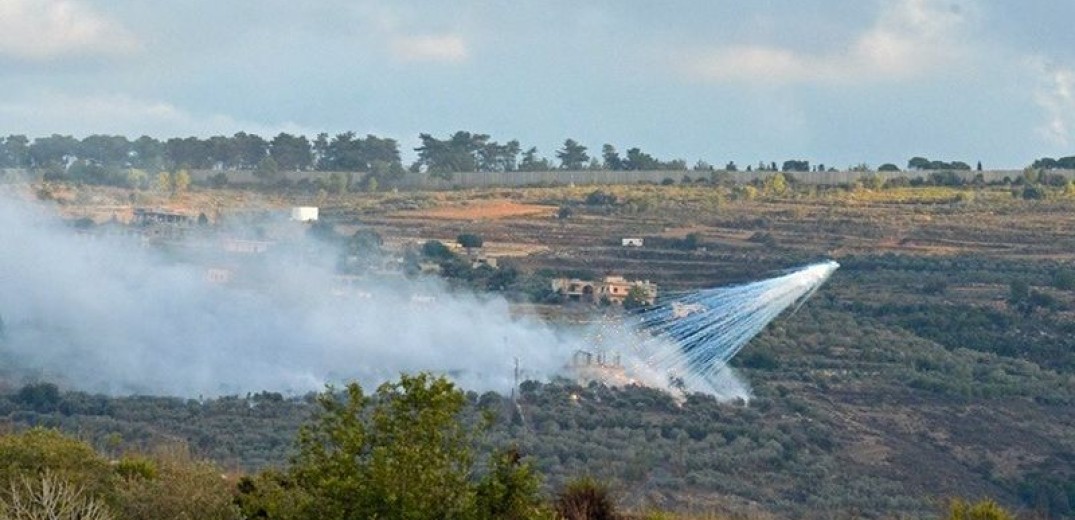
(106, 314)
(103, 312)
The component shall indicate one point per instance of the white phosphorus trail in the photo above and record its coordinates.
(687, 342)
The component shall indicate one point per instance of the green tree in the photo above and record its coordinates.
(532, 163)
(510, 490)
(1018, 291)
(458, 153)
(436, 250)
(639, 160)
(918, 163)
(40, 397)
(402, 453)
(16, 152)
(637, 298)
(469, 240)
(888, 167)
(572, 156)
(267, 169)
(611, 158)
(39, 450)
(291, 152)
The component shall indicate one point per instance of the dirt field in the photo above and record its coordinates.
(479, 210)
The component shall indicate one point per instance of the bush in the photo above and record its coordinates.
(173, 485)
(469, 240)
(600, 198)
(959, 509)
(586, 499)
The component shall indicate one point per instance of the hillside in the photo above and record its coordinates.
(938, 361)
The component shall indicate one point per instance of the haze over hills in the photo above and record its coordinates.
(941, 343)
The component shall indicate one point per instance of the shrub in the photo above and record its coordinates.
(586, 499)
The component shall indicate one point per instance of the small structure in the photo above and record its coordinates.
(147, 217)
(479, 260)
(613, 289)
(235, 245)
(304, 213)
(631, 242)
(589, 366)
(218, 275)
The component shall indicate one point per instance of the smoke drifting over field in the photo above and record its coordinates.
(104, 313)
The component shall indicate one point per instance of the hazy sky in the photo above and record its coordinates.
(836, 82)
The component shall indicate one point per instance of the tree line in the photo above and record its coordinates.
(461, 151)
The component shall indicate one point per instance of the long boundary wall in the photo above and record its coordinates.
(422, 181)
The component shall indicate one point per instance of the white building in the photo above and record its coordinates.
(304, 213)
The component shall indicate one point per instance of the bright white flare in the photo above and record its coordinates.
(687, 342)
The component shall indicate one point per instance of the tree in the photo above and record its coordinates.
(496, 157)
(190, 152)
(637, 298)
(16, 152)
(888, 167)
(39, 450)
(795, 166)
(1018, 291)
(401, 453)
(291, 152)
(572, 156)
(147, 153)
(510, 490)
(435, 249)
(918, 163)
(612, 160)
(180, 181)
(267, 169)
(249, 150)
(55, 150)
(469, 240)
(458, 153)
(731, 167)
(40, 397)
(639, 160)
(105, 150)
(532, 163)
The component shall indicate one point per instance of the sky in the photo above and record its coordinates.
(841, 83)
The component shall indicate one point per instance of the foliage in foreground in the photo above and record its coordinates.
(403, 452)
(406, 452)
(44, 474)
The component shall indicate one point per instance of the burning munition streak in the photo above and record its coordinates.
(687, 342)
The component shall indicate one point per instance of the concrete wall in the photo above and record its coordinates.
(606, 177)
(580, 178)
